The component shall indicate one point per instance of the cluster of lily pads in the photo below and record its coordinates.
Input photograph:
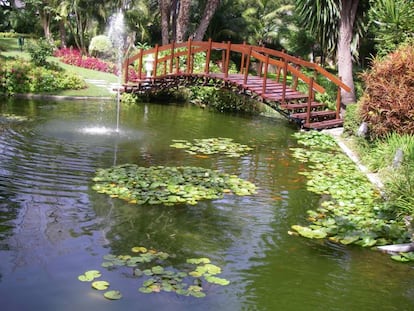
(210, 146)
(168, 185)
(353, 211)
(148, 265)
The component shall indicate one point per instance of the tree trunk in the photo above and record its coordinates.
(183, 20)
(174, 8)
(45, 21)
(208, 14)
(164, 9)
(62, 32)
(346, 25)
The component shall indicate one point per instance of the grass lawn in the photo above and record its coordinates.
(9, 47)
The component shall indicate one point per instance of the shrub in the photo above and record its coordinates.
(388, 103)
(100, 46)
(18, 76)
(352, 119)
(39, 51)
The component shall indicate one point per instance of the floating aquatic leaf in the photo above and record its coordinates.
(157, 270)
(217, 280)
(100, 285)
(167, 185)
(198, 261)
(145, 290)
(310, 233)
(400, 258)
(349, 239)
(113, 295)
(209, 146)
(89, 276)
(353, 211)
(107, 264)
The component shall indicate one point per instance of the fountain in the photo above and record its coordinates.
(116, 35)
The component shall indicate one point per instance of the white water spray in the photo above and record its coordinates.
(116, 35)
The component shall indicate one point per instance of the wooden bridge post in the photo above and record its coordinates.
(338, 102)
(141, 54)
(246, 73)
(226, 73)
(310, 100)
(189, 56)
(172, 56)
(125, 66)
(242, 69)
(265, 74)
(223, 59)
(208, 56)
(154, 72)
(285, 68)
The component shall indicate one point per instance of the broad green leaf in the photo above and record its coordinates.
(217, 280)
(113, 295)
(100, 285)
(198, 261)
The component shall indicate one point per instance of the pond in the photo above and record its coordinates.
(54, 226)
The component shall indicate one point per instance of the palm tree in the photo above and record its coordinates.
(336, 24)
(265, 20)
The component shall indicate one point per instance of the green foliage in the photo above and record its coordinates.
(39, 51)
(100, 46)
(129, 98)
(352, 119)
(223, 100)
(168, 185)
(195, 279)
(388, 103)
(391, 23)
(208, 146)
(19, 76)
(353, 212)
(379, 154)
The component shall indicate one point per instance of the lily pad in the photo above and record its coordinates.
(198, 261)
(310, 233)
(113, 295)
(217, 280)
(100, 285)
(210, 146)
(89, 276)
(168, 185)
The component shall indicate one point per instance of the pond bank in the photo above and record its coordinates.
(336, 133)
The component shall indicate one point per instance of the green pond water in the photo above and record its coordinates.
(54, 227)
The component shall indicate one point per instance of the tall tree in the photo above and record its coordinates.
(165, 15)
(183, 20)
(209, 10)
(336, 24)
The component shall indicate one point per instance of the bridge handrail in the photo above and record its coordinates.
(283, 62)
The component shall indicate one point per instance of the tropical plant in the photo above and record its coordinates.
(388, 103)
(338, 26)
(39, 51)
(100, 46)
(391, 23)
(265, 20)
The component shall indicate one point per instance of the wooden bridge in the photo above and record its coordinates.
(285, 83)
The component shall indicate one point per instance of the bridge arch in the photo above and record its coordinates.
(172, 65)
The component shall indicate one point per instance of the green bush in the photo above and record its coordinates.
(388, 103)
(352, 119)
(100, 46)
(39, 51)
(19, 76)
(223, 100)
